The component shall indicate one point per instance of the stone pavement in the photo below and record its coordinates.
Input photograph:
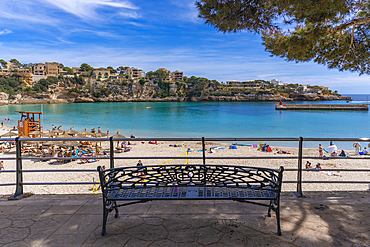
(321, 219)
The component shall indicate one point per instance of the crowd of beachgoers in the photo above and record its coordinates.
(54, 156)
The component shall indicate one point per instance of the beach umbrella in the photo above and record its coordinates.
(118, 135)
(21, 135)
(57, 131)
(9, 134)
(99, 134)
(86, 133)
(35, 133)
(79, 135)
(72, 132)
(47, 134)
(64, 135)
(52, 143)
(70, 144)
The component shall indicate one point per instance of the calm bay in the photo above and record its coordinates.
(208, 119)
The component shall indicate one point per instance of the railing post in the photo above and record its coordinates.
(204, 151)
(111, 152)
(19, 177)
(299, 192)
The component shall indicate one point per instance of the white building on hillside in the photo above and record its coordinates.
(277, 83)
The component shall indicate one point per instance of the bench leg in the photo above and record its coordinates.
(277, 212)
(269, 211)
(275, 206)
(105, 216)
(116, 209)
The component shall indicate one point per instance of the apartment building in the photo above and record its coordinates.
(101, 74)
(135, 73)
(25, 76)
(76, 70)
(165, 70)
(52, 69)
(176, 76)
(277, 83)
(39, 69)
(11, 66)
(173, 76)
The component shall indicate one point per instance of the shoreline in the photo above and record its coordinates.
(32, 101)
(273, 144)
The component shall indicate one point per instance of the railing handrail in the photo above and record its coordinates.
(93, 139)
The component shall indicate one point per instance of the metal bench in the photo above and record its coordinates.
(190, 182)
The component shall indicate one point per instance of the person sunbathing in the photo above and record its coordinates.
(342, 154)
(60, 155)
(308, 165)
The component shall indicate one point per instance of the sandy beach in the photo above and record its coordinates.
(167, 149)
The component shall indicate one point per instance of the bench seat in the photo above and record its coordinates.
(130, 185)
(191, 193)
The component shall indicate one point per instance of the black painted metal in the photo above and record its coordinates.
(19, 158)
(190, 182)
(111, 152)
(299, 173)
(19, 178)
(204, 151)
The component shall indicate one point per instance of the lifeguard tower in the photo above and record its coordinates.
(30, 121)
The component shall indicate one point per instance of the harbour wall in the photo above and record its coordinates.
(330, 107)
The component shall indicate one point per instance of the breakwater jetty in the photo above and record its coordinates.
(323, 107)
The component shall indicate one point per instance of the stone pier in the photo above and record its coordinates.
(325, 107)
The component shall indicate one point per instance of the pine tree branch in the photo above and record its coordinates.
(350, 46)
(355, 22)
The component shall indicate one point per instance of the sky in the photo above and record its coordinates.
(149, 34)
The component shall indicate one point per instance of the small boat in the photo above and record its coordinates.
(148, 107)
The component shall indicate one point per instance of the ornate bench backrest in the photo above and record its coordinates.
(190, 175)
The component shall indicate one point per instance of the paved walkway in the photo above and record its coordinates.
(322, 219)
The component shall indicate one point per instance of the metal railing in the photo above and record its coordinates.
(299, 192)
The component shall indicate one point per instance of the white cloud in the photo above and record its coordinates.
(132, 15)
(189, 11)
(48, 11)
(103, 34)
(24, 13)
(6, 31)
(87, 8)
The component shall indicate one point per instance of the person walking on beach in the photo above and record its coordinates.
(357, 147)
(320, 150)
(2, 165)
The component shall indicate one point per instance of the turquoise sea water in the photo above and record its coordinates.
(197, 119)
